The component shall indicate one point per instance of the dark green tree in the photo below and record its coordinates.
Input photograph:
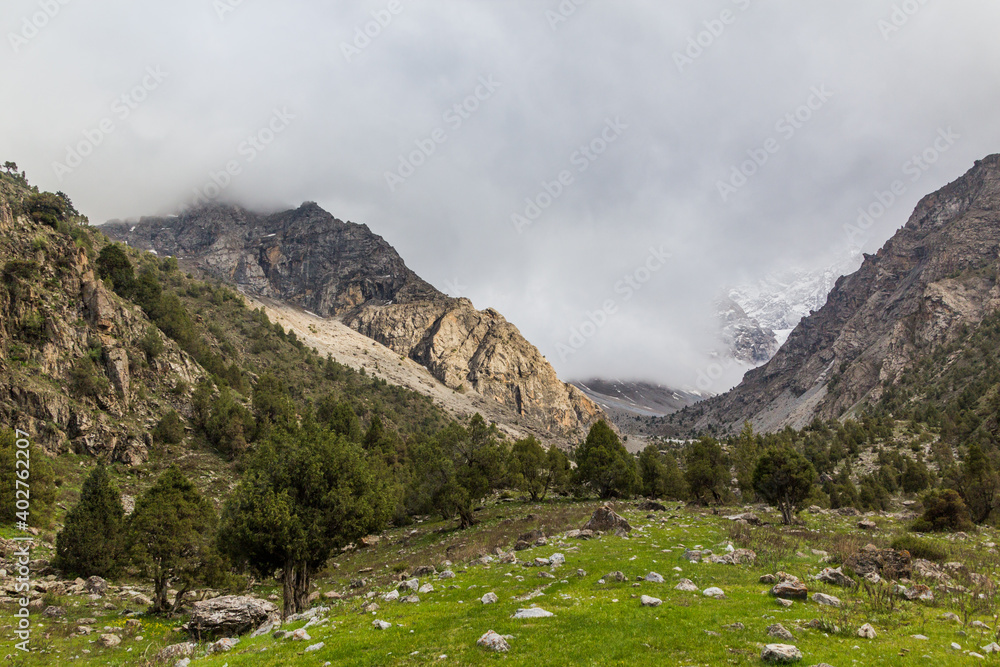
(536, 471)
(35, 475)
(745, 452)
(170, 429)
(114, 266)
(944, 511)
(604, 465)
(456, 469)
(170, 537)
(652, 472)
(783, 478)
(271, 404)
(46, 208)
(305, 492)
(980, 484)
(707, 470)
(92, 541)
(340, 417)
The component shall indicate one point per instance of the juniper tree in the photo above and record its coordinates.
(93, 536)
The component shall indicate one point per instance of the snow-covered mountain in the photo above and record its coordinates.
(781, 298)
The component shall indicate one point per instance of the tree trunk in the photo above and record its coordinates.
(295, 587)
(465, 518)
(159, 594)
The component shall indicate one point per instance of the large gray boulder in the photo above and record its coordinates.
(606, 520)
(229, 615)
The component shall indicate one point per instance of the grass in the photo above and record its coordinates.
(593, 623)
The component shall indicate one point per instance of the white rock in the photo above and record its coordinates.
(532, 612)
(426, 588)
(493, 642)
(780, 653)
(992, 647)
(714, 592)
(381, 625)
(315, 647)
(654, 578)
(826, 600)
(489, 598)
(866, 631)
(557, 559)
(686, 585)
(300, 635)
(391, 596)
(648, 601)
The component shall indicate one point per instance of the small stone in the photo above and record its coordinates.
(426, 588)
(410, 599)
(300, 635)
(790, 590)
(493, 641)
(920, 637)
(110, 641)
(992, 647)
(615, 576)
(489, 598)
(769, 579)
(648, 601)
(866, 631)
(381, 625)
(315, 647)
(654, 577)
(223, 645)
(778, 631)
(447, 574)
(714, 592)
(391, 596)
(783, 602)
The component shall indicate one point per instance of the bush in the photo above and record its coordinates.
(919, 548)
(783, 478)
(170, 429)
(151, 343)
(84, 380)
(113, 265)
(92, 539)
(944, 511)
(42, 482)
(47, 208)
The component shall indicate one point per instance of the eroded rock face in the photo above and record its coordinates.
(308, 258)
(915, 294)
(229, 615)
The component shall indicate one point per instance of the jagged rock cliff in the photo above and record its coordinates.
(742, 336)
(71, 366)
(935, 277)
(308, 258)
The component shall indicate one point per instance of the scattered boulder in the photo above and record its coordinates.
(714, 592)
(606, 520)
(381, 625)
(110, 641)
(866, 631)
(919, 592)
(425, 571)
(778, 631)
(834, 575)
(492, 641)
(447, 574)
(780, 653)
(229, 615)
(654, 577)
(53, 611)
(176, 651)
(826, 600)
(223, 645)
(867, 524)
(391, 596)
(410, 599)
(489, 598)
(615, 576)
(888, 563)
(769, 579)
(747, 518)
(96, 585)
(409, 584)
(314, 647)
(651, 506)
(790, 590)
(686, 585)
(648, 601)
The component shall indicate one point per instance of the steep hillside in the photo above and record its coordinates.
(309, 259)
(934, 281)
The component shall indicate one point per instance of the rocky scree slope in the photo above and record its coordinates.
(936, 278)
(307, 258)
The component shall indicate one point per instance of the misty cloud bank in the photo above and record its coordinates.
(528, 155)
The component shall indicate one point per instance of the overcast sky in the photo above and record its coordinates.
(667, 98)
